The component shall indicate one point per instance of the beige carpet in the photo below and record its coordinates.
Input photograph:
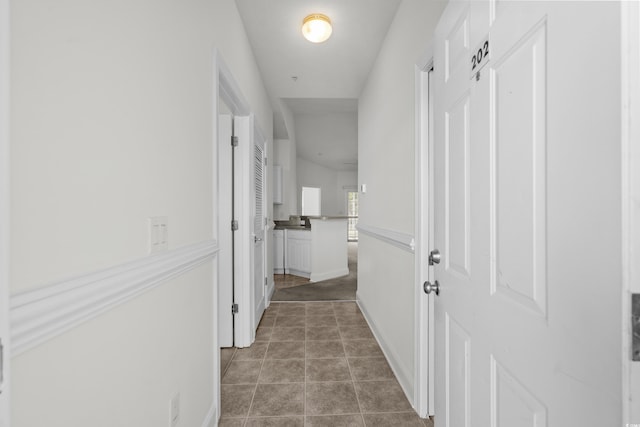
(338, 289)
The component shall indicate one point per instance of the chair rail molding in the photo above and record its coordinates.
(396, 238)
(39, 315)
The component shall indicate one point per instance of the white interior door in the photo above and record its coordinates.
(225, 209)
(259, 276)
(5, 355)
(527, 312)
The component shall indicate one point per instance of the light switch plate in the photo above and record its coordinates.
(158, 234)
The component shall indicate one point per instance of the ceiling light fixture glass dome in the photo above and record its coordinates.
(316, 28)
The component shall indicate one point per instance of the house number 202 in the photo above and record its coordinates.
(481, 57)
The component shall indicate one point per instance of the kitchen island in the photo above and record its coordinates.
(318, 252)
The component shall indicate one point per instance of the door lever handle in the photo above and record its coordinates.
(257, 239)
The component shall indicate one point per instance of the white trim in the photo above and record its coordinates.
(211, 419)
(5, 265)
(630, 171)
(389, 353)
(318, 277)
(396, 238)
(423, 361)
(39, 315)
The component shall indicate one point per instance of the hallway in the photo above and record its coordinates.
(313, 364)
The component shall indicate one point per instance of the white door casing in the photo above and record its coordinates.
(259, 235)
(225, 233)
(630, 87)
(245, 129)
(424, 349)
(248, 255)
(528, 311)
(5, 389)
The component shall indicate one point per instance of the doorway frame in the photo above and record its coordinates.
(423, 398)
(630, 173)
(5, 223)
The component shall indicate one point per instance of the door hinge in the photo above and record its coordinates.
(234, 308)
(1, 366)
(234, 225)
(265, 161)
(234, 141)
(266, 281)
(635, 327)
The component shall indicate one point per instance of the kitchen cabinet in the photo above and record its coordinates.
(278, 251)
(297, 258)
(278, 184)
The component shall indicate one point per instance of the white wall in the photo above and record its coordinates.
(330, 181)
(111, 123)
(386, 166)
(285, 156)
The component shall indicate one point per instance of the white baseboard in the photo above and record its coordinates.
(329, 275)
(211, 420)
(389, 353)
(298, 273)
(39, 315)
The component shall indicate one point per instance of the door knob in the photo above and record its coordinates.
(432, 287)
(434, 257)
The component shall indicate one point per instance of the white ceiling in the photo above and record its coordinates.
(329, 75)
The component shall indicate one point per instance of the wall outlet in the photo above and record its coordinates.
(158, 233)
(174, 412)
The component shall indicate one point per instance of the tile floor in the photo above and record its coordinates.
(313, 364)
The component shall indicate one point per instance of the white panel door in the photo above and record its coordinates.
(225, 209)
(527, 311)
(5, 354)
(259, 274)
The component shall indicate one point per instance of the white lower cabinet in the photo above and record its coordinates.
(278, 251)
(297, 258)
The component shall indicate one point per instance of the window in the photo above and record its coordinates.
(352, 213)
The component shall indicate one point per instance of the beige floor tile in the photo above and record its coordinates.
(289, 321)
(351, 320)
(236, 400)
(278, 400)
(331, 399)
(226, 354)
(381, 396)
(282, 371)
(319, 309)
(335, 421)
(275, 422)
(288, 334)
(322, 333)
(370, 369)
(327, 370)
(362, 348)
(346, 308)
(286, 350)
(263, 333)
(231, 422)
(355, 332)
(406, 419)
(269, 320)
(324, 320)
(242, 372)
(324, 349)
(255, 352)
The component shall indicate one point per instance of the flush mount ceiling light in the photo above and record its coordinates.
(316, 28)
